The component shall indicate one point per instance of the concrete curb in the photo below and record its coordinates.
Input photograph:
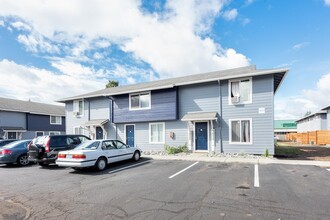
(262, 160)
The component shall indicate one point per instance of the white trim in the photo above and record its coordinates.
(208, 137)
(141, 93)
(164, 131)
(50, 119)
(75, 107)
(54, 132)
(43, 133)
(251, 132)
(229, 91)
(125, 132)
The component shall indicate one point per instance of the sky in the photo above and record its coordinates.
(55, 49)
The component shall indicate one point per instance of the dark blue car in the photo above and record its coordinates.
(15, 152)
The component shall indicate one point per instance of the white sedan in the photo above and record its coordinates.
(97, 153)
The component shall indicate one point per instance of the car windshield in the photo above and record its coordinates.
(92, 145)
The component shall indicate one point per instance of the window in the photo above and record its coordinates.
(55, 120)
(240, 91)
(139, 101)
(240, 131)
(78, 130)
(78, 108)
(157, 133)
(54, 132)
(39, 133)
(12, 135)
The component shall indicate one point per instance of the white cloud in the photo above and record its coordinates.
(327, 2)
(300, 45)
(170, 42)
(41, 85)
(245, 21)
(21, 26)
(230, 15)
(308, 100)
(2, 23)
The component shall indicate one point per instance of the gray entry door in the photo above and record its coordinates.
(99, 133)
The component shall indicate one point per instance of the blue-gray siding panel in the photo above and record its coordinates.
(99, 108)
(262, 124)
(163, 107)
(42, 123)
(12, 119)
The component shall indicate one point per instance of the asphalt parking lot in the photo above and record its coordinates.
(152, 189)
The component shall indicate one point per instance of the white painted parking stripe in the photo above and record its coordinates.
(256, 176)
(124, 168)
(183, 170)
(328, 169)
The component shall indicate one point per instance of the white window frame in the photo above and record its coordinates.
(229, 90)
(141, 93)
(74, 130)
(56, 123)
(164, 131)
(76, 107)
(251, 131)
(43, 133)
(54, 133)
(125, 132)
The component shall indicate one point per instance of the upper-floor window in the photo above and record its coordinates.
(140, 101)
(78, 107)
(55, 120)
(240, 91)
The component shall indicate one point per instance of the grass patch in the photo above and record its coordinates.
(175, 150)
(287, 151)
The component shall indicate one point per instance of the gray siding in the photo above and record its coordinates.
(328, 120)
(313, 123)
(262, 124)
(142, 135)
(163, 107)
(12, 119)
(97, 108)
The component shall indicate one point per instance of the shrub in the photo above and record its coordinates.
(175, 150)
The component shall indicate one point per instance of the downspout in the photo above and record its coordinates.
(220, 111)
(89, 109)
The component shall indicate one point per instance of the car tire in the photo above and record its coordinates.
(43, 164)
(136, 156)
(23, 160)
(101, 164)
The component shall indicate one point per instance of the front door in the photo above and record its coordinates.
(130, 135)
(12, 135)
(99, 133)
(201, 135)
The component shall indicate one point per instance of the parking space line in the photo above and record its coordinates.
(328, 169)
(124, 168)
(183, 170)
(256, 176)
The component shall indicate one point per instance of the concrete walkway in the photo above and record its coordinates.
(252, 160)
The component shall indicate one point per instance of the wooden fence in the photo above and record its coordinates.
(312, 137)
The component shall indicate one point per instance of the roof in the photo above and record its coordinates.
(12, 129)
(198, 116)
(249, 71)
(15, 105)
(285, 124)
(96, 122)
(326, 108)
(308, 116)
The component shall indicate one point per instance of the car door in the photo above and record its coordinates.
(124, 151)
(110, 150)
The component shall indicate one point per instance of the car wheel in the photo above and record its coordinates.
(136, 156)
(43, 164)
(101, 164)
(23, 160)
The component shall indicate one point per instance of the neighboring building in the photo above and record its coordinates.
(227, 111)
(283, 127)
(327, 109)
(26, 119)
(313, 122)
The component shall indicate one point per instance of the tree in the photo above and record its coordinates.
(112, 83)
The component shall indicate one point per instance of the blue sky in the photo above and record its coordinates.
(55, 49)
